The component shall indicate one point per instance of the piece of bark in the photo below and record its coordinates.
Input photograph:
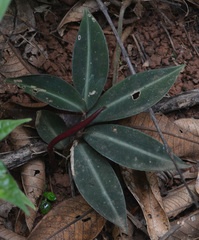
(23, 155)
(183, 100)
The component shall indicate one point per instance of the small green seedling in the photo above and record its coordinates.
(45, 205)
(101, 141)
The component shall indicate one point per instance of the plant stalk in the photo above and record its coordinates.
(71, 132)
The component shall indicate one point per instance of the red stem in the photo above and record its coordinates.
(73, 130)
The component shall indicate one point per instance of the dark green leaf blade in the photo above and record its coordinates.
(49, 126)
(130, 148)
(98, 183)
(10, 192)
(90, 60)
(136, 93)
(6, 126)
(52, 90)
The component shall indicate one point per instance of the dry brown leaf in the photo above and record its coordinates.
(5, 208)
(35, 53)
(12, 64)
(147, 194)
(6, 234)
(183, 143)
(75, 14)
(190, 124)
(63, 222)
(32, 175)
(187, 228)
(139, 10)
(118, 234)
(179, 199)
(25, 20)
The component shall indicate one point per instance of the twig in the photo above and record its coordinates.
(171, 41)
(183, 100)
(116, 61)
(142, 48)
(103, 8)
(188, 37)
(23, 155)
(115, 2)
(171, 231)
(162, 15)
(139, 48)
(137, 223)
(152, 114)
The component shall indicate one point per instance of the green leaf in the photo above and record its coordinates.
(6, 126)
(98, 184)
(49, 126)
(10, 192)
(130, 148)
(52, 90)
(50, 196)
(90, 60)
(45, 206)
(3, 7)
(136, 93)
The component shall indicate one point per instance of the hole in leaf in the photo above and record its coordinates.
(35, 91)
(135, 95)
(36, 172)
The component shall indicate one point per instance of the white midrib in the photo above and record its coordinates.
(140, 90)
(87, 64)
(103, 190)
(125, 145)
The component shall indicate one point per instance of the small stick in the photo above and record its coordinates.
(162, 15)
(117, 52)
(171, 41)
(103, 8)
(188, 37)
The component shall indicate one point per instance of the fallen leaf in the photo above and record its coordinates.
(75, 14)
(32, 174)
(25, 20)
(147, 194)
(187, 227)
(7, 234)
(179, 199)
(5, 208)
(71, 219)
(139, 10)
(182, 143)
(12, 64)
(118, 234)
(190, 124)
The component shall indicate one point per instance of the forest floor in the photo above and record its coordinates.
(157, 35)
